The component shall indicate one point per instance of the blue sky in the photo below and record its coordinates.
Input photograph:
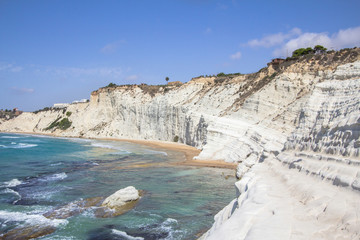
(59, 51)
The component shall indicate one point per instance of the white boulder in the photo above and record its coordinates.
(121, 197)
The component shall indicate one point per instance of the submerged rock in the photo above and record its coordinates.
(28, 232)
(73, 208)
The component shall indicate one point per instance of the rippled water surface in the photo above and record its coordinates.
(40, 174)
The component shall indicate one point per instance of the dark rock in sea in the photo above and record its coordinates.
(73, 208)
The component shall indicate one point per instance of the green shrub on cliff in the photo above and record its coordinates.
(110, 85)
(302, 51)
(63, 124)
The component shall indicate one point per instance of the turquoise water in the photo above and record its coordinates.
(40, 174)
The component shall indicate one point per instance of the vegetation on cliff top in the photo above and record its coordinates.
(304, 51)
(318, 57)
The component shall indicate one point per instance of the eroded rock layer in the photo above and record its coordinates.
(294, 129)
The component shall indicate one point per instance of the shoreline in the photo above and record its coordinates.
(189, 151)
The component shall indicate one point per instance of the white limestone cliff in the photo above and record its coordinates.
(294, 129)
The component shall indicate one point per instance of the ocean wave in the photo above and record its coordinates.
(109, 146)
(11, 191)
(54, 177)
(103, 145)
(61, 238)
(20, 145)
(56, 164)
(31, 219)
(9, 137)
(12, 183)
(169, 226)
(121, 153)
(125, 235)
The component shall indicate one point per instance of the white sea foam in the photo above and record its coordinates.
(20, 145)
(12, 183)
(9, 190)
(61, 238)
(9, 137)
(125, 235)
(168, 226)
(110, 146)
(103, 145)
(32, 219)
(56, 164)
(55, 177)
(80, 140)
(26, 145)
(121, 153)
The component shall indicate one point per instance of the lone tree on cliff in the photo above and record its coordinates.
(319, 49)
(167, 79)
(111, 85)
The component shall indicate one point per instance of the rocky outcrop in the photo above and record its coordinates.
(298, 118)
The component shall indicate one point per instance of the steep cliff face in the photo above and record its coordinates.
(299, 119)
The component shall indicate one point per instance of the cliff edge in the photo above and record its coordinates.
(293, 127)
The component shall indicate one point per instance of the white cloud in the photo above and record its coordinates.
(10, 67)
(295, 38)
(111, 47)
(274, 39)
(347, 38)
(302, 41)
(22, 90)
(236, 56)
(132, 78)
(343, 38)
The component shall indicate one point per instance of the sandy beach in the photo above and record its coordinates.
(189, 151)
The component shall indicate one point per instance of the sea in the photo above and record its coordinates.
(41, 174)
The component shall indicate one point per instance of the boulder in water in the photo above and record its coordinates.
(121, 197)
(118, 203)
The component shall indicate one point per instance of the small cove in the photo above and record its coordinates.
(41, 173)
